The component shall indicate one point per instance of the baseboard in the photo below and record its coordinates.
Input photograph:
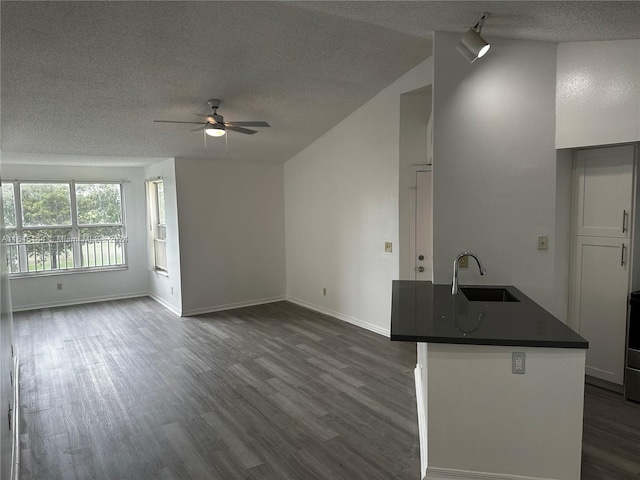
(79, 301)
(341, 316)
(614, 387)
(452, 474)
(15, 438)
(165, 304)
(231, 306)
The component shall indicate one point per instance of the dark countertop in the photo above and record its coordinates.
(423, 312)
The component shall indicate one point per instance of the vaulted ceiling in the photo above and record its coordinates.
(87, 79)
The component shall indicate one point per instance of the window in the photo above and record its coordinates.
(158, 225)
(51, 227)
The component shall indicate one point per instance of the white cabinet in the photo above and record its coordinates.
(601, 241)
(604, 192)
(599, 302)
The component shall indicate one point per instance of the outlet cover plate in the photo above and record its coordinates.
(543, 242)
(388, 247)
(518, 360)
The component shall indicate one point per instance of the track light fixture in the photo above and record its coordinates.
(472, 46)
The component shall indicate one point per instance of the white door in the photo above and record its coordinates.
(422, 231)
(600, 286)
(604, 192)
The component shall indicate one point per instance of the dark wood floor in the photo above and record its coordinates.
(125, 390)
(611, 436)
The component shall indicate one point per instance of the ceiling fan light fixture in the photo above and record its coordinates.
(215, 130)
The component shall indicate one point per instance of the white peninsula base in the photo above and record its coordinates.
(478, 420)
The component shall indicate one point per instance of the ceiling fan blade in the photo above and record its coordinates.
(173, 121)
(241, 130)
(248, 124)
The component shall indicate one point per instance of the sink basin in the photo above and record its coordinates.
(488, 294)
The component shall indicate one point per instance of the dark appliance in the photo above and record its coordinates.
(632, 374)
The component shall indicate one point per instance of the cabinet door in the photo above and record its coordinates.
(599, 302)
(604, 191)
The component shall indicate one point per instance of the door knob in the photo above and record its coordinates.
(421, 269)
(421, 257)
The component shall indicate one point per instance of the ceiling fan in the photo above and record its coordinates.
(215, 126)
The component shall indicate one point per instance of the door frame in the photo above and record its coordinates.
(413, 210)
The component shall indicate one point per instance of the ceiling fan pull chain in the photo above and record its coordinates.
(226, 143)
(205, 140)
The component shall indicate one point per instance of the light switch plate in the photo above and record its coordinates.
(388, 247)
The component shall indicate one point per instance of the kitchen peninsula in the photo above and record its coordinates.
(499, 383)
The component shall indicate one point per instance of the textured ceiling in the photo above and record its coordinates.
(87, 79)
(563, 21)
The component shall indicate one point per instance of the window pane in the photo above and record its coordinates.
(98, 203)
(47, 249)
(160, 190)
(160, 250)
(45, 204)
(9, 236)
(162, 232)
(8, 205)
(9, 239)
(102, 246)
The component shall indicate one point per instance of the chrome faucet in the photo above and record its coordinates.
(454, 286)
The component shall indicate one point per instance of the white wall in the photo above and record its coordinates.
(490, 423)
(231, 233)
(36, 292)
(8, 388)
(598, 93)
(341, 206)
(564, 180)
(166, 289)
(494, 170)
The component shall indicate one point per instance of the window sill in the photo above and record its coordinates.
(67, 272)
(162, 272)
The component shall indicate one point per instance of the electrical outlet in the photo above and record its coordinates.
(518, 362)
(463, 262)
(171, 290)
(543, 242)
(59, 286)
(324, 292)
(388, 247)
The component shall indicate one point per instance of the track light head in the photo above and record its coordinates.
(472, 46)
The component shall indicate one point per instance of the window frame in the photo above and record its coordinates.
(156, 226)
(74, 228)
